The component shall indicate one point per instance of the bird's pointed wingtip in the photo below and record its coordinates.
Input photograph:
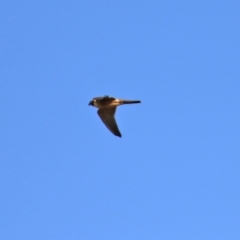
(119, 135)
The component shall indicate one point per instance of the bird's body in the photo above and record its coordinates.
(106, 110)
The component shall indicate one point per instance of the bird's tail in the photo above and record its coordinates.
(130, 101)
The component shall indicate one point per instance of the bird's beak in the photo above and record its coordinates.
(90, 103)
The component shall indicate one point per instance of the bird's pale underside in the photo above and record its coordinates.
(106, 110)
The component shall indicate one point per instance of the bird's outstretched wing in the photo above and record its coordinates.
(107, 116)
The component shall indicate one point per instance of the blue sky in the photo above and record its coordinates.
(175, 172)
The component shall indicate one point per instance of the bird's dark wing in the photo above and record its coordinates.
(104, 98)
(107, 116)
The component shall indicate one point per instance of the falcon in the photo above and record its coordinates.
(106, 111)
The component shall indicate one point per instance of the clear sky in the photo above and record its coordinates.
(175, 173)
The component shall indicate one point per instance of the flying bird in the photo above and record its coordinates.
(106, 110)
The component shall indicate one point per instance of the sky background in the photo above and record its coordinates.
(175, 173)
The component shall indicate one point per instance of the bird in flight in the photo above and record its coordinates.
(106, 110)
